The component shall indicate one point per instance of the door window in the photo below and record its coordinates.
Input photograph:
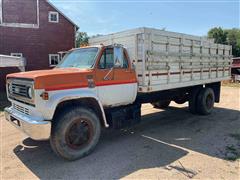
(107, 60)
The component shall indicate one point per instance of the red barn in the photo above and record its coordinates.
(35, 30)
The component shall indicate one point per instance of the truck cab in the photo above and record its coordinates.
(89, 80)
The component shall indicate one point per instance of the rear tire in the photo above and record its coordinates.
(75, 133)
(161, 104)
(205, 101)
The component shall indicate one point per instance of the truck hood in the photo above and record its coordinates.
(58, 78)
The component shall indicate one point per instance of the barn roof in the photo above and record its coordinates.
(51, 4)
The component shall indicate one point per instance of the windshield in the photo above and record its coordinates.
(80, 58)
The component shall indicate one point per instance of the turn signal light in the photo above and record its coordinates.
(44, 96)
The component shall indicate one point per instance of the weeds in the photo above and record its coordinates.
(231, 84)
(235, 136)
(232, 153)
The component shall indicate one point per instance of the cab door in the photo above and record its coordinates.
(115, 80)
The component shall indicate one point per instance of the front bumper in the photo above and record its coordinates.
(34, 127)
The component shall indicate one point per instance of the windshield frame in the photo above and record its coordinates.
(76, 49)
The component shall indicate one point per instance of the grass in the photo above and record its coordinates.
(235, 136)
(230, 84)
(234, 151)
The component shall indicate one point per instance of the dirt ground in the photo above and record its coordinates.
(169, 144)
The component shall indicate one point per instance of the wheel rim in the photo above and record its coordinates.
(209, 101)
(79, 134)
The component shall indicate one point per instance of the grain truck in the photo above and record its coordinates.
(104, 85)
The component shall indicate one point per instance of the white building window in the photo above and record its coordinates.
(54, 59)
(17, 54)
(53, 17)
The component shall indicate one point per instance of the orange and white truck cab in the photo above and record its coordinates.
(104, 86)
(100, 76)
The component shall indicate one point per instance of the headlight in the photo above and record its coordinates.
(30, 92)
(10, 88)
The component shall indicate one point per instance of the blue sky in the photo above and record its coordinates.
(186, 16)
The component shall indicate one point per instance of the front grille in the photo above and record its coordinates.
(19, 89)
(21, 109)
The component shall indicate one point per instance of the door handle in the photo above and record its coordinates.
(106, 76)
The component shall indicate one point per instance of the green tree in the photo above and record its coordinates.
(227, 36)
(218, 34)
(233, 38)
(81, 39)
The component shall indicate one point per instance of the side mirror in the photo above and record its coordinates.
(118, 57)
(133, 66)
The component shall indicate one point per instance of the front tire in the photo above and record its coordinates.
(75, 133)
